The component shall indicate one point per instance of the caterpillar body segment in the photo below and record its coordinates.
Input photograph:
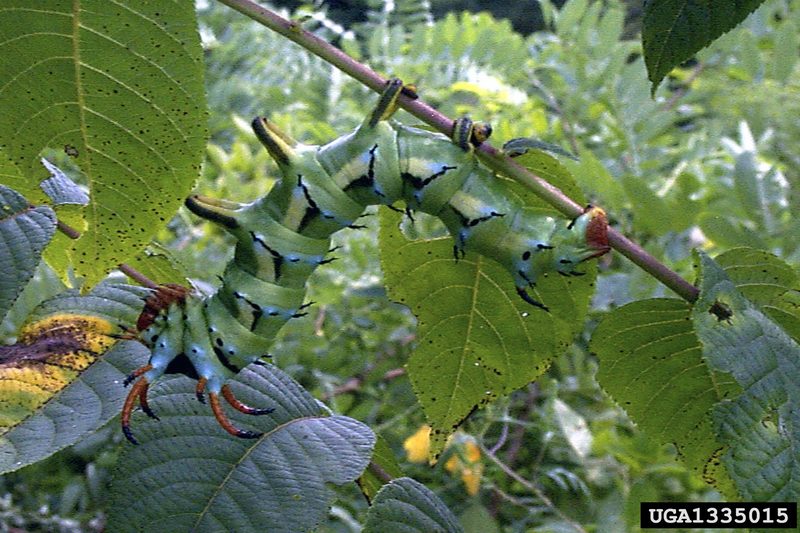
(284, 236)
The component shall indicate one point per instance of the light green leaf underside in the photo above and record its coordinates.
(406, 506)
(60, 188)
(476, 338)
(768, 282)
(651, 364)
(120, 83)
(95, 397)
(190, 475)
(24, 232)
(674, 30)
(761, 425)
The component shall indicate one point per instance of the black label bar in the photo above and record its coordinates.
(772, 515)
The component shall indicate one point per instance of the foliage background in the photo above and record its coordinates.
(717, 145)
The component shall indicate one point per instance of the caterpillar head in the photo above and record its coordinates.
(584, 238)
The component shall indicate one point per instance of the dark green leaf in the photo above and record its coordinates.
(383, 464)
(24, 232)
(760, 425)
(674, 30)
(406, 506)
(190, 475)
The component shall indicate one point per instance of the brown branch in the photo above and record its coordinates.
(492, 157)
(67, 230)
(137, 276)
(354, 383)
(379, 472)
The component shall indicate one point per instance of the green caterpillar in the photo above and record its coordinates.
(284, 236)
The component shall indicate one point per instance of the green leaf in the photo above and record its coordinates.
(159, 264)
(674, 30)
(190, 475)
(383, 458)
(761, 425)
(57, 410)
(407, 506)
(476, 338)
(477, 519)
(728, 231)
(24, 232)
(546, 167)
(768, 282)
(521, 145)
(121, 85)
(651, 364)
(786, 42)
(651, 211)
(747, 185)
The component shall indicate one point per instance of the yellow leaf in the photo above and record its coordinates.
(49, 355)
(466, 461)
(418, 444)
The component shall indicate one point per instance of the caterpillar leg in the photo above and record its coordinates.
(137, 391)
(226, 424)
(143, 401)
(219, 414)
(200, 389)
(227, 393)
(130, 378)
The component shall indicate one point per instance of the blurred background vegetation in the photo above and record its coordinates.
(711, 162)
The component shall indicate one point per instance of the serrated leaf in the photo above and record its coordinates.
(761, 425)
(24, 232)
(60, 188)
(120, 84)
(674, 30)
(190, 475)
(407, 506)
(52, 388)
(519, 146)
(768, 282)
(651, 364)
(476, 338)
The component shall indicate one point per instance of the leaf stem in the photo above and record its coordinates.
(491, 156)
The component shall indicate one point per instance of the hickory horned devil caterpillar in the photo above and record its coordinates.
(285, 235)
